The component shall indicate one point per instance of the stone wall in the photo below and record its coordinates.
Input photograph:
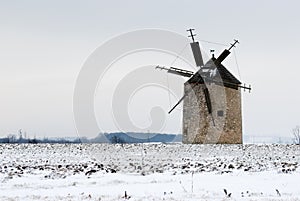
(223, 126)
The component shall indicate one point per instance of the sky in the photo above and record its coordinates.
(44, 44)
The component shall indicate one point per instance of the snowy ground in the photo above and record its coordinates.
(149, 172)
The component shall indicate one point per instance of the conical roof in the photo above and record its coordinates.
(213, 71)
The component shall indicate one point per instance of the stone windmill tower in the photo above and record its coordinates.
(211, 101)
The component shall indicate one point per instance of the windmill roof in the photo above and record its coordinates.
(213, 71)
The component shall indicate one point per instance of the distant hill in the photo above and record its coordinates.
(118, 137)
(121, 137)
(142, 137)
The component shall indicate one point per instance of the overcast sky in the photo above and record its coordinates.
(43, 45)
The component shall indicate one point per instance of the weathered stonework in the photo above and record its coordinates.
(223, 126)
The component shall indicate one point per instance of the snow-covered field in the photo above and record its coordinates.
(149, 172)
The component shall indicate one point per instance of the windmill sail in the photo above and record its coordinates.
(177, 71)
(177, 103)
(197, 53)
(226, 52)
(207, 100)
(223, 56)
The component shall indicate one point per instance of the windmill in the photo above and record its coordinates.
(211, 100)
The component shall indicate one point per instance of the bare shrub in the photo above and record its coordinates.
(296, 134)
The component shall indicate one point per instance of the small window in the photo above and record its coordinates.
(220, 113)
